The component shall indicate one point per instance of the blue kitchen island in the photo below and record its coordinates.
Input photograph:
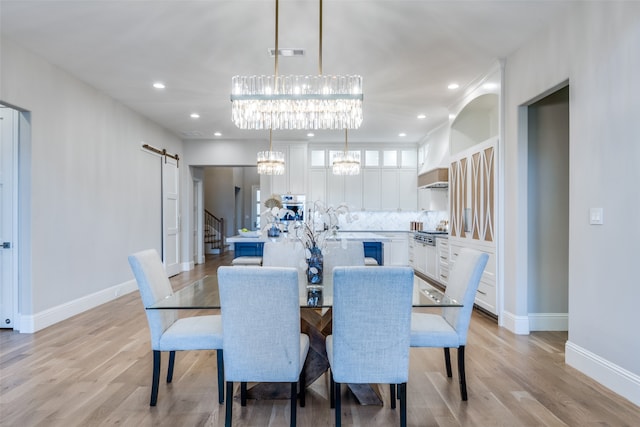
(253, 246)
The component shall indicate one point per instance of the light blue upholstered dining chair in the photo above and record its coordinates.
(371, 326)
(168, 333)
(343, 253)
(449, 329)
(261, 321)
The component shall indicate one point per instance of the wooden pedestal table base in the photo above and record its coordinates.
(316, 323)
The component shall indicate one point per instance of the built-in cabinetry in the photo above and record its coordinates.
(382, 184)
(486, 296)
(472, 187)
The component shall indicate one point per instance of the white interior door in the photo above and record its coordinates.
(170, 216)
(8, 138)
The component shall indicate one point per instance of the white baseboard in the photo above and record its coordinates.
(35, 322)
(188, 265)
(548, 321)
(517, 324)
(619, 380)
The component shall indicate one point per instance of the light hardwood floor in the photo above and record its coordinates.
(95, 370)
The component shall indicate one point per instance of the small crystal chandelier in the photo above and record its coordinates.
(346, 163)
(297, 102)
(270, 162)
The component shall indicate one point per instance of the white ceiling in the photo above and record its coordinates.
(406, 51)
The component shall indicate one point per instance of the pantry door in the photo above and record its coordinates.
(170, 216)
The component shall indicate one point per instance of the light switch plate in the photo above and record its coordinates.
(596, 216)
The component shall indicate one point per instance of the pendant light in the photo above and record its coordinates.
(346, 163)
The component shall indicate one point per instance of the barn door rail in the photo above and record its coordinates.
(162, 152)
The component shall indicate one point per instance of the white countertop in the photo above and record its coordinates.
(364, 236)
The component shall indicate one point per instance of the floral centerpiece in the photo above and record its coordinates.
(322, 223)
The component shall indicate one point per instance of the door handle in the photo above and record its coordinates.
(6, 245)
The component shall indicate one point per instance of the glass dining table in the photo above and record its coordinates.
(204, 294)
(315, 321)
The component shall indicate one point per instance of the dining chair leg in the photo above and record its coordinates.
(392, 391)
(220, 363)
(156, 378)
(447, 361)
(302, 383)
(229, 405)
(294, 392)
(332, 392)
(402, 392)
(337, 404)
(243, 394)
(461, 373)
(172, 359)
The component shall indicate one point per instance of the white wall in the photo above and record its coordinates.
(596, 49)
(94, 195)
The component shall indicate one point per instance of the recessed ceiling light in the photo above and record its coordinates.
(195, 115)
(159, 85)
(217, 134)
(310, 134)
(422, 116)
(453, 86)
(402, 134)
(452, 116)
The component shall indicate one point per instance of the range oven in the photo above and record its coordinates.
(427, 237)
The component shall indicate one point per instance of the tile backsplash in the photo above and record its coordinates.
(392, 220)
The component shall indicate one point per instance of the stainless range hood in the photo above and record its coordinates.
(435, 178)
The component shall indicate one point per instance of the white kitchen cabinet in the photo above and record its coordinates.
(442, 264)
(371, 189)
(407, 197)
(389, 188)
(420, 257)
(396, 249)
(294, 179)
(317, 185)
(353, 191)
(335, 188)
(430, 262)
(344, 189)
(384, 183)
(411, 252)
(297, 168)
(486, 296)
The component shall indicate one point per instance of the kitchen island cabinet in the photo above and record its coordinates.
(253, 246)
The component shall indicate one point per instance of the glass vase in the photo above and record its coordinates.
(315, 265)
(273, 231)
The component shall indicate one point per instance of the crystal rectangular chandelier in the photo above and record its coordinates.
(297, 102)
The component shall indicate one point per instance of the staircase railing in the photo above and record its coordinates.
(213, 231)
